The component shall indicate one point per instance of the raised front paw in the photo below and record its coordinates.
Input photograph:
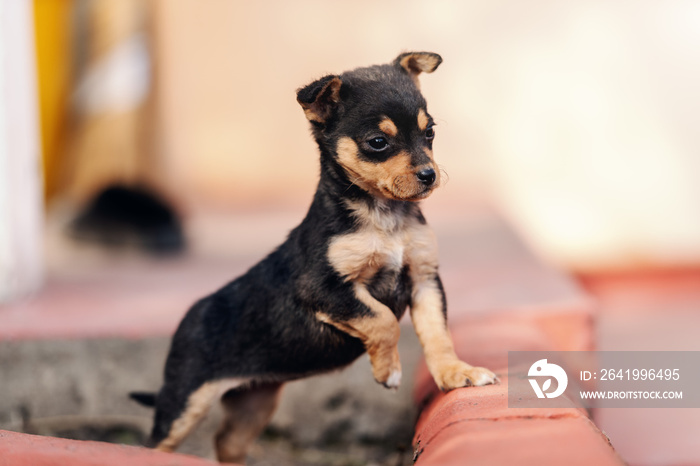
(387, 370)
(394, 379)
(460, 374)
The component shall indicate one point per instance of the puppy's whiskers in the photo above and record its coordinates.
(445, 178)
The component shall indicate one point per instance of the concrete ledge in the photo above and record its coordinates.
(475, 425)
(571, 441)
(481, 403)
(527, 306)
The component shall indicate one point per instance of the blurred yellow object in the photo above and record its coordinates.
(52, 19)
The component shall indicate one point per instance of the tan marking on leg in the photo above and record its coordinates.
(388, 127)
(444, 365)
(378, 332)
(422, 120)
(422, 251)
(197, 407)
(246, 413)
(429, 321)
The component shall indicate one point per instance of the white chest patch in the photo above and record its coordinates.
(361, 254)
(383, 240)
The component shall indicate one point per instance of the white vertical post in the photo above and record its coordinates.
(21, 209)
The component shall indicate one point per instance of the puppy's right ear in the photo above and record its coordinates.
(415, 63)
(320, 98)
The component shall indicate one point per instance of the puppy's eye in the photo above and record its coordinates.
(378, 144)
(430, 133)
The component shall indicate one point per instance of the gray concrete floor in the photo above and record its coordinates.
(78, 388)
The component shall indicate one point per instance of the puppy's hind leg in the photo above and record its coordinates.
(247, 411)
(179, 411)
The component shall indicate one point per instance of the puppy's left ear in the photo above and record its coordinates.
(320, 98)
(416, 63)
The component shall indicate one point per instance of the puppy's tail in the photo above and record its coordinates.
(144, 398)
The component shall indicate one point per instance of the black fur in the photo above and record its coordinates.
(144, 398)
(262, 325)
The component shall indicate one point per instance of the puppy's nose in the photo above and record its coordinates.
(427, 176)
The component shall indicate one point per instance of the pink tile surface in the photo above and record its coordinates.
(127, 299)
(571, 441)
(32, 450)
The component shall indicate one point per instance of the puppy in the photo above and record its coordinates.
(339, 284)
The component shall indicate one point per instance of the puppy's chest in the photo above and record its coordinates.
(361, 254)
(373, 247)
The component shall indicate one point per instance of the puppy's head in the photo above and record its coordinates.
(373, 122)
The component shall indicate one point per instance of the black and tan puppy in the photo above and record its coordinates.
(340, 282)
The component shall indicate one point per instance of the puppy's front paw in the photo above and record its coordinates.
(387, 371)
(394, 379)
(460, 374)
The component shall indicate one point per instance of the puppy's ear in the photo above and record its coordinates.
(320, 98)
(416, 63)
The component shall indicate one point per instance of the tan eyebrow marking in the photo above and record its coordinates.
(422, 120)
(388, 127)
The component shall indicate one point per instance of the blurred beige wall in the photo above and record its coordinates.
(579, 118)
(228, 75)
